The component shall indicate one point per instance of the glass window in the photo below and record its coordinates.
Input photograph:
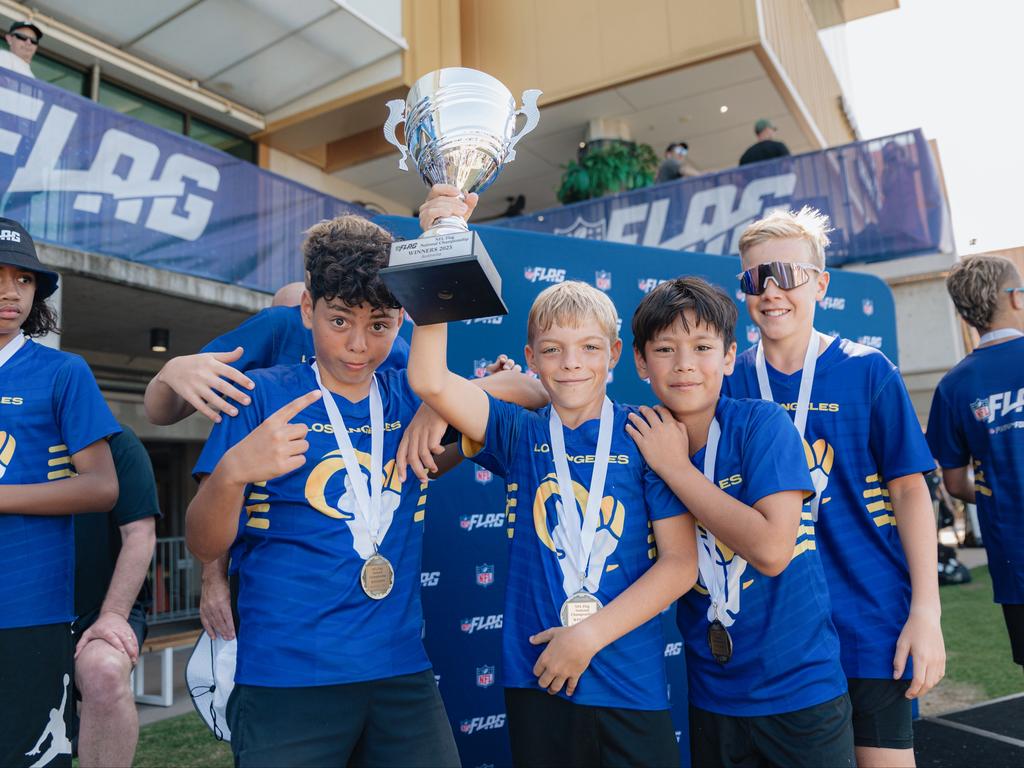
(60, 74)
(132, 104)
(238, 146)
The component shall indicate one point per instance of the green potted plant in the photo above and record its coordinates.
(617, 166)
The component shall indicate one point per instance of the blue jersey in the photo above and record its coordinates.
(861, 431)
(629, 673)
(306, 620)
(978, 415)
(276, 336)
(50, 409)
(785, 647)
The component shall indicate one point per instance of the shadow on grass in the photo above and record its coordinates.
(181, 742)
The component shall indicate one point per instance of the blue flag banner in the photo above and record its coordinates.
(883, 196)
(83, 176)
(465, 557)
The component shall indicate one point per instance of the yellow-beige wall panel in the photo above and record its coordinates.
(433, 30)
(794, 57)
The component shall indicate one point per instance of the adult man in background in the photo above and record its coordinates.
(766, 147)
(977, 422)
(113, 551)
(673, 166)
(23, 42)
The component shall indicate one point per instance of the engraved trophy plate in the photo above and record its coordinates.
(377, 577)
(459, 130)
(580, 606)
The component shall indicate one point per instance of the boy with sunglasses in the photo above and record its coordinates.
(874, 519)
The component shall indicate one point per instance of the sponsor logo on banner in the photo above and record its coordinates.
(837, 303)
(741, 297)
(980, 409)
(544, 274)
(489, 723)
(489, 520)
(648, 284)
(603, 280)
(493, 320)
(673, 649)
(753, 334)
(485, 676)
(122, 171)
(480, 367)
(430, 578)
(484, 575)
(867, 307)
(483, 476)
(871, 341)
(481, 623)
(588, 230)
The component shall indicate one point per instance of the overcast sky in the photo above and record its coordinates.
(955, 70)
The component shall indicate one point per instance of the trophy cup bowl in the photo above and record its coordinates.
(460, 129)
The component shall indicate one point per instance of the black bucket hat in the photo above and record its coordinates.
(18, 250)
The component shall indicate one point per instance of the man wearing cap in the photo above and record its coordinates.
(54, 463)
(766, 148)
(23, 41)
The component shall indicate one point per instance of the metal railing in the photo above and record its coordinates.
(174, 575)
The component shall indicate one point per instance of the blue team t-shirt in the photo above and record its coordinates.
(50, 409)
(306, 620)
(276, 336)
(629, 673)
(978, 414)
(785, 647)
(861, 431)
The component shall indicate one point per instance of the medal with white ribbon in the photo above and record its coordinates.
(715, 574)
(377, 576)
(803, 400)
(999, 334)
(11, 349)
(579, 534)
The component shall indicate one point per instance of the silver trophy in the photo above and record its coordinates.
(460, 129)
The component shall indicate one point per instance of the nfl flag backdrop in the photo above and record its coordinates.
(465, 557)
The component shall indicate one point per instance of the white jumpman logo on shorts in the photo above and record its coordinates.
(60, 744)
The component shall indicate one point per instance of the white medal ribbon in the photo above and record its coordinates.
(580, 535)
(722, 582)
(368, 503)
(999, 335)
(11, 348)
(803, 400)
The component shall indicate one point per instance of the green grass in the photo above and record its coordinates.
(977, 646)
(181, 742)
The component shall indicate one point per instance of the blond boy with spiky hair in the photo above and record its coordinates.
(872, 513)
(583, 651)
(977, 422)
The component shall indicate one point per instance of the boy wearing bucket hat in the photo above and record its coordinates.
(54, 462)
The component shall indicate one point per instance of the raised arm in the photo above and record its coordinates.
(93, 488)
(200, 382)
(456, 400)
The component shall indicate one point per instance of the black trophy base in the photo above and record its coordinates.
(445, 278)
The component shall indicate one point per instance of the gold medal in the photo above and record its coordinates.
(580, 606)
(719, 642)
(377, 577)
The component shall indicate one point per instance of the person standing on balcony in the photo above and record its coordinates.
(977, 422)
(23, 42)
(674, 165)
(766, 147)
(112, 556)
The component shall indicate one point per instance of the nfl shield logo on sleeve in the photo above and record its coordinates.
(484, 575)
(465, 522)
(466, 726)
(483, 476)
(485, 676)
(980, 409)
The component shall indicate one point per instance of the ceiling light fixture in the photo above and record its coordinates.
(723, 109)
(159, 339)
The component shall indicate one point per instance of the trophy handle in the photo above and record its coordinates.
(529, 109)
(396, 115)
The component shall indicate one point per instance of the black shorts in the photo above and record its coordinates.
(397, 721)
(136, 620)
(36, 673)
(547, 730)
(816, 736)
(882, 714)
(1014, 615)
